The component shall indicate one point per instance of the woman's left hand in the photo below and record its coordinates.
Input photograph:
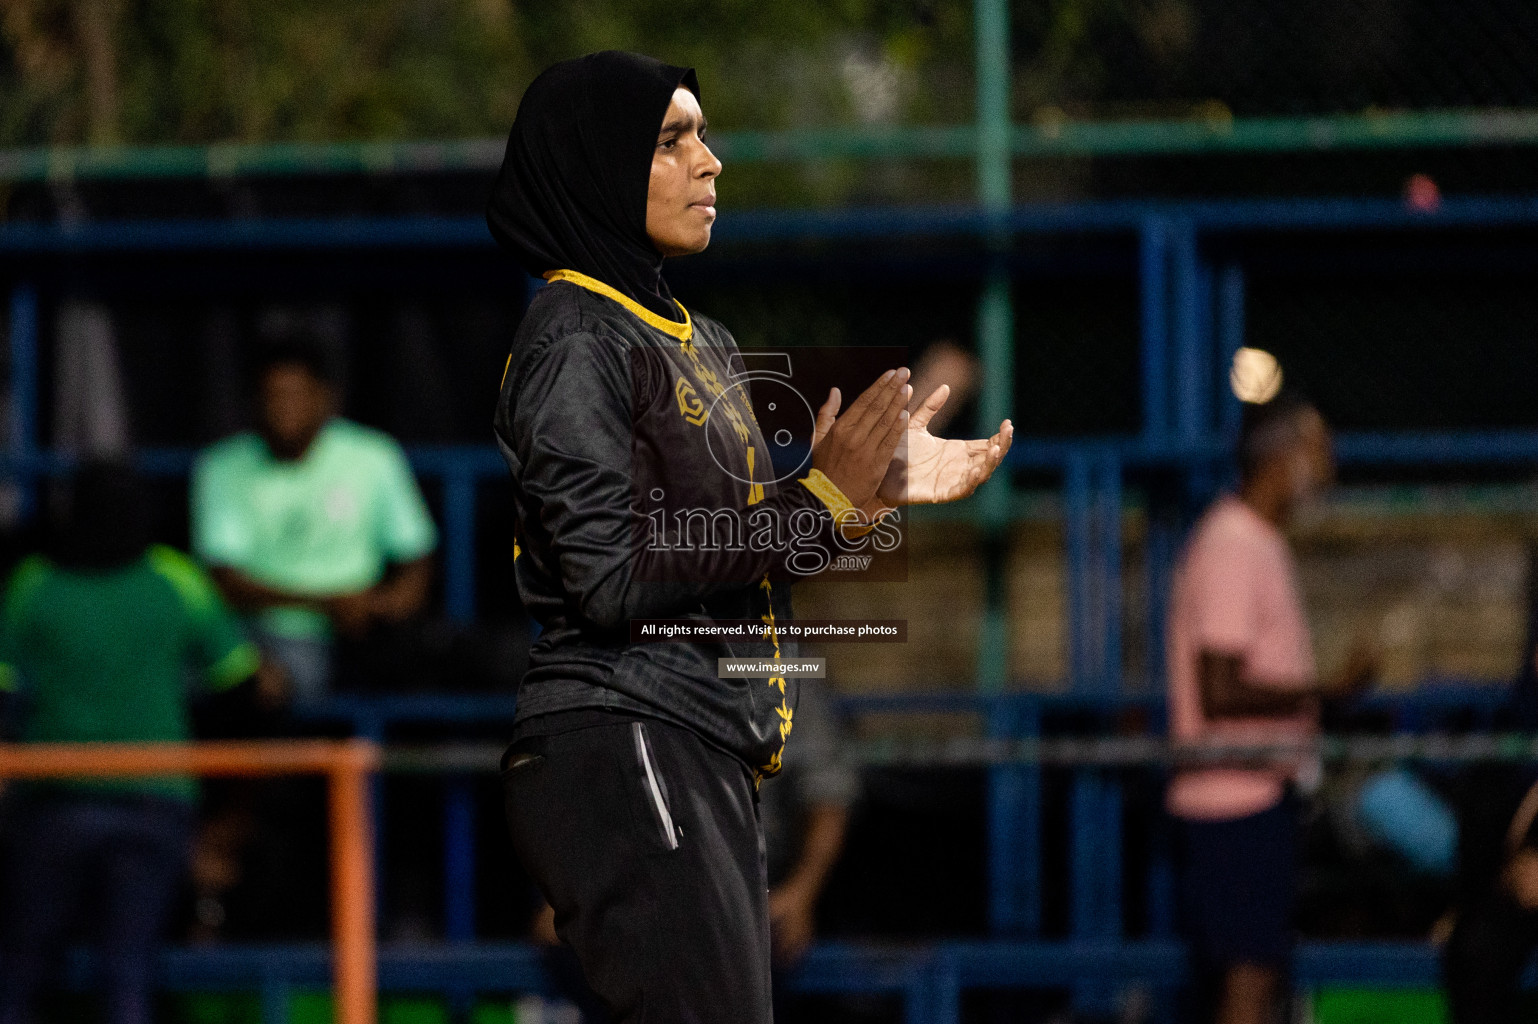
(927, 470)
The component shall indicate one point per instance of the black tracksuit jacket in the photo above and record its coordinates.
(612, 419)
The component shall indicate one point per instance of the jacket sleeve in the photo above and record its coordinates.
(570, 446)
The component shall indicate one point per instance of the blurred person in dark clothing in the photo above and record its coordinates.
(1496, 926)
(313, 525)
(805, 818)
(1495, 921)
(1241, 671)
(95, 643)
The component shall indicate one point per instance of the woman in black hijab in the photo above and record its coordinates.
(632, 776)
(572, 193)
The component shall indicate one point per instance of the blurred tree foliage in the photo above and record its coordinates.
(196, 71)
(168, 71)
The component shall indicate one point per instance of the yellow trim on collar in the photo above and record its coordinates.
(683, 331)
(827, 492)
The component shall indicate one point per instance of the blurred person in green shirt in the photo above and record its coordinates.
(96, 643)
(312, 525)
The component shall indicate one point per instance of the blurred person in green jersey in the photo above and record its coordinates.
(96, 642)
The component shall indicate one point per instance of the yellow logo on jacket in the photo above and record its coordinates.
(690, 406)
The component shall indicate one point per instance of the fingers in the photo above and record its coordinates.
(933, 404)
(857, 410)
(888, 430)
(894, 434)
(825, 416)
(998, 447)
(1001, 443)
(881, 402)
(987, 457)
(883, 410)
(859, 444)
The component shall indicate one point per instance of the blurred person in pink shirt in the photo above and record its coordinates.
(1241, 672)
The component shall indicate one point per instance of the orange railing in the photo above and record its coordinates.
(346, 764)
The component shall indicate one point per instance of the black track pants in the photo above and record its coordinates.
(646, 842)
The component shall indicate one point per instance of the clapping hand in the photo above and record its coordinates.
(855, 450)
(927, 470)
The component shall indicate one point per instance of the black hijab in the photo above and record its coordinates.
(571, 194)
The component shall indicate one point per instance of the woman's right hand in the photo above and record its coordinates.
(854, 450)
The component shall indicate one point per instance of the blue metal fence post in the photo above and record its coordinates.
(275, 995)
(1092, 512)
(1190, 318)
(1028, 725)
(1082, 823)
(1014, 830)
(1160, 542)
(459, 541)
(1153, 283)
(370, 725)
(1109, 842)
(1010, 806)
(918, 997)
(1092, 799)
(459, 879)
(1108, 502)
(1230, 331)
(459, 858)
(1077, 512)
(1161, 879)
(944, 990)
(24, 385)
(1004, 826)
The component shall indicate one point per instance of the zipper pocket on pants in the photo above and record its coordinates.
(643, 749)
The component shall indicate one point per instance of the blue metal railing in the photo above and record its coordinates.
(927, 980)
(1014, 799)
(1096, 957)
(1192, 319)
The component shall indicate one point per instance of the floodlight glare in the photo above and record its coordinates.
(1256, 376)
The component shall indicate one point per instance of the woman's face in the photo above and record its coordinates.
(681, 199)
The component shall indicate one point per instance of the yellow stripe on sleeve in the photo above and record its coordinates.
(827, 492)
